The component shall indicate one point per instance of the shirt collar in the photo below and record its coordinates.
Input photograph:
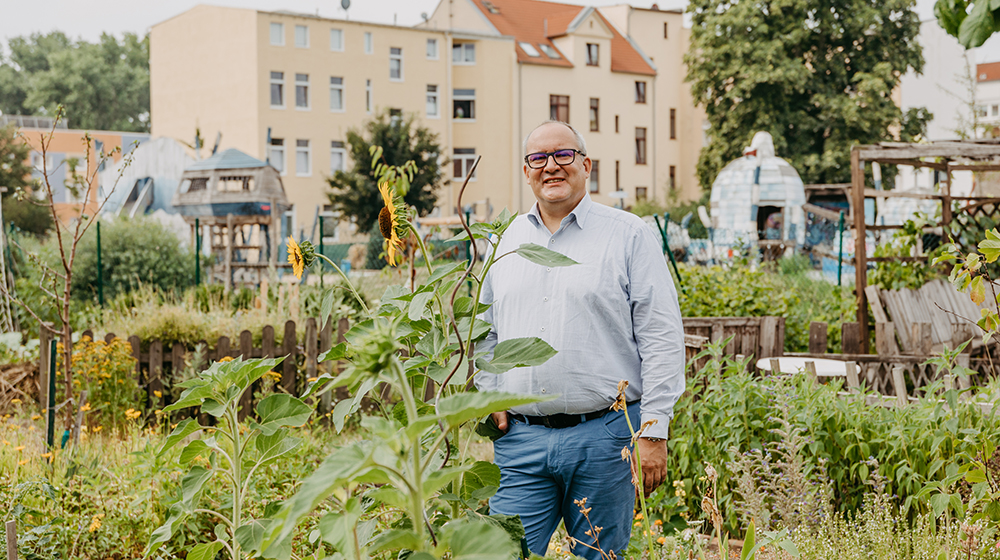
(579, 213)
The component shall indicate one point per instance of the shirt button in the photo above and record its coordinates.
(552, 241)
(543, 329)
(543, 390)
(545, 299)
(548, 270)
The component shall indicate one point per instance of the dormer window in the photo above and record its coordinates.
(549, 51)
(529, 50)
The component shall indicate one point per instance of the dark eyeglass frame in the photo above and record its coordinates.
(547, 155)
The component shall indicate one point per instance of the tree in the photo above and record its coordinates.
(355, 193)
(817, 76)
(103, 85)
(15, 177)
(972, 23)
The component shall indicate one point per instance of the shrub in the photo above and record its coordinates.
(107, 372)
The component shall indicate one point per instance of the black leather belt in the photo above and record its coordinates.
(560, 420)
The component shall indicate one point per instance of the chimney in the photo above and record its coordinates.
(545, 26)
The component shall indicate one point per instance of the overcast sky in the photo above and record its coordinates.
(89, 18)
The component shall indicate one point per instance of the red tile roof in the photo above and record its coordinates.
(537, 22)
(989, 72)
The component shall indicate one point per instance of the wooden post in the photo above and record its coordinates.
(775, 366)
(772, 336)
(136, 345)
(264, 297)
(810, 372)
(817, 337)
(44, 336)
(230, 241)
(222, 348)
(155, 368)
(109, 337)
(885, 339)
(921, 339)
(946, 196)
(311, 349)
(177, 363)
(850, 338)
(288, 366)
(852, 376)
(860, 236)
(79, 417)
(12, 537)
(899, 386)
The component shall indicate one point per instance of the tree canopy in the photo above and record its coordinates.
(15, 177)
(818, 76)
(103, 85)
(355, 193)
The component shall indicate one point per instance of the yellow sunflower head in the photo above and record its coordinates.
(300, 255)
(391, 222)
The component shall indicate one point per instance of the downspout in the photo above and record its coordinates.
(655, 153)
(520, 133)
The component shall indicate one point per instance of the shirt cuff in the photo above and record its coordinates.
(661, 429)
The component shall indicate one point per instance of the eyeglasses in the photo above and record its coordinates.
(561, 157)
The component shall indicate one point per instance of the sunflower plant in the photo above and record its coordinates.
(418, 350)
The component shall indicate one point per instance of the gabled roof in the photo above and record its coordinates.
(229, 159)
(988, 72)
(537, 22)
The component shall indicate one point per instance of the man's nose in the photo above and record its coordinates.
(550, 164)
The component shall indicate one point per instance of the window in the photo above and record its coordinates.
(338, 157)
(196, 184)
(462, 161)
(640, 193)
(396, 64)
(594, 114)
(463, 53)
(640, 92)
(618, 185)
(595, 176)
(369, 43)
(673, 177)
(395, 114)
(593, 54)
(235, 183)
(302, 36)
(549, 51)
(529, 49)
(276, 154)
(640, 145)
(559, 108)
(465, 104)
(278, 34)
(302, 91)
(665, 30)
(368, 96)
(995, 110)
(336, 94)
(616, 123)
(432, 49)
(302, 167)
(278, 90)
(337, 40)
(329, 228)
(432, 101)
(673, 124)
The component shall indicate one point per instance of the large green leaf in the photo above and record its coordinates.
(338, 352)
(280, 410)
(204, 551)
(339, 468)
(478, 540)
(462, 407)
(395, 539)
(181, 431)
(545, 257)
(977, 26)
(446, 270)
(419, 304)
(433, 343)
(165, 532)
(196, 448)
(192, 396)
(275, 445)
(482, 474)
(439, 373)
(517, 352)
(347, 407)
(193, 481)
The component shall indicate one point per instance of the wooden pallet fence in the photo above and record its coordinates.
(761, 337)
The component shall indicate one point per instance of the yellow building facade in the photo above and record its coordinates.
(287, 87)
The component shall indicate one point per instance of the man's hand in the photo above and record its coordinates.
(654, 463)
(501, 419)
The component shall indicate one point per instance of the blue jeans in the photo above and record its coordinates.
(544, 470)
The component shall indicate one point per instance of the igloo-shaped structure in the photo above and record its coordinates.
(779, 201)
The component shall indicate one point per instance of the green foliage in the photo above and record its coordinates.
(107, 372)
(375, 255)
(898, 275)
(819, 80)
(26, 215)
(103, 85)
(133, 252)
(971, 22)
(355, 193)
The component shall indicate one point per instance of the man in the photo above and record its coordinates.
(612, 317)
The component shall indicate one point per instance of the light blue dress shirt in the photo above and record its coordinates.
(614, 316)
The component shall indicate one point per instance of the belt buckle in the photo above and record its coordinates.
(546, 421)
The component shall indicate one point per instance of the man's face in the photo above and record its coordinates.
(554, 184)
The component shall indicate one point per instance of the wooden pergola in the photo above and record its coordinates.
(946, 157)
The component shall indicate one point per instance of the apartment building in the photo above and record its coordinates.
(480, 74)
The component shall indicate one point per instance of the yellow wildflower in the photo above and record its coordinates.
(15, 401)
(97, 429)
(19, 448)
(661, 540)
(638, 515)
(47, 455)
(132, 414)
(85, 407)
(226, 359)
(36, 416)
(95, 522)
(658, 522)
(157, 394)
(22, 463)
(388, 224)
(5, 442)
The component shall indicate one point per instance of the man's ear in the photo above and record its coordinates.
(587, 164)
(525, 168)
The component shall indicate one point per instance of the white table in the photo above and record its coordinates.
(825, 367)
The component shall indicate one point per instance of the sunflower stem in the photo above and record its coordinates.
(349, 283)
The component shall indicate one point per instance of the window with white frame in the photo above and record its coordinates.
(368, 96)
(595, 176)
(432, 101)
(336, 93)
(461, 161)
(303, 167)
(593, 54)
(396, 64)
(369, 43)
(432, 49)
(464, 104)
(463, 53)
(338, 157)
(278, 90)
(276, 154)
(302, 91)
(330, 220)
(277, 34)
(529, 49)
(337, 40)
(302, 36)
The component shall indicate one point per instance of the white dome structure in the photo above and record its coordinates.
(779, 200)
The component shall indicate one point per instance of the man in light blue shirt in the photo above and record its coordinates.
(612, 317)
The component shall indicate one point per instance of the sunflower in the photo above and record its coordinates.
(389, 223)
(295, 257)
